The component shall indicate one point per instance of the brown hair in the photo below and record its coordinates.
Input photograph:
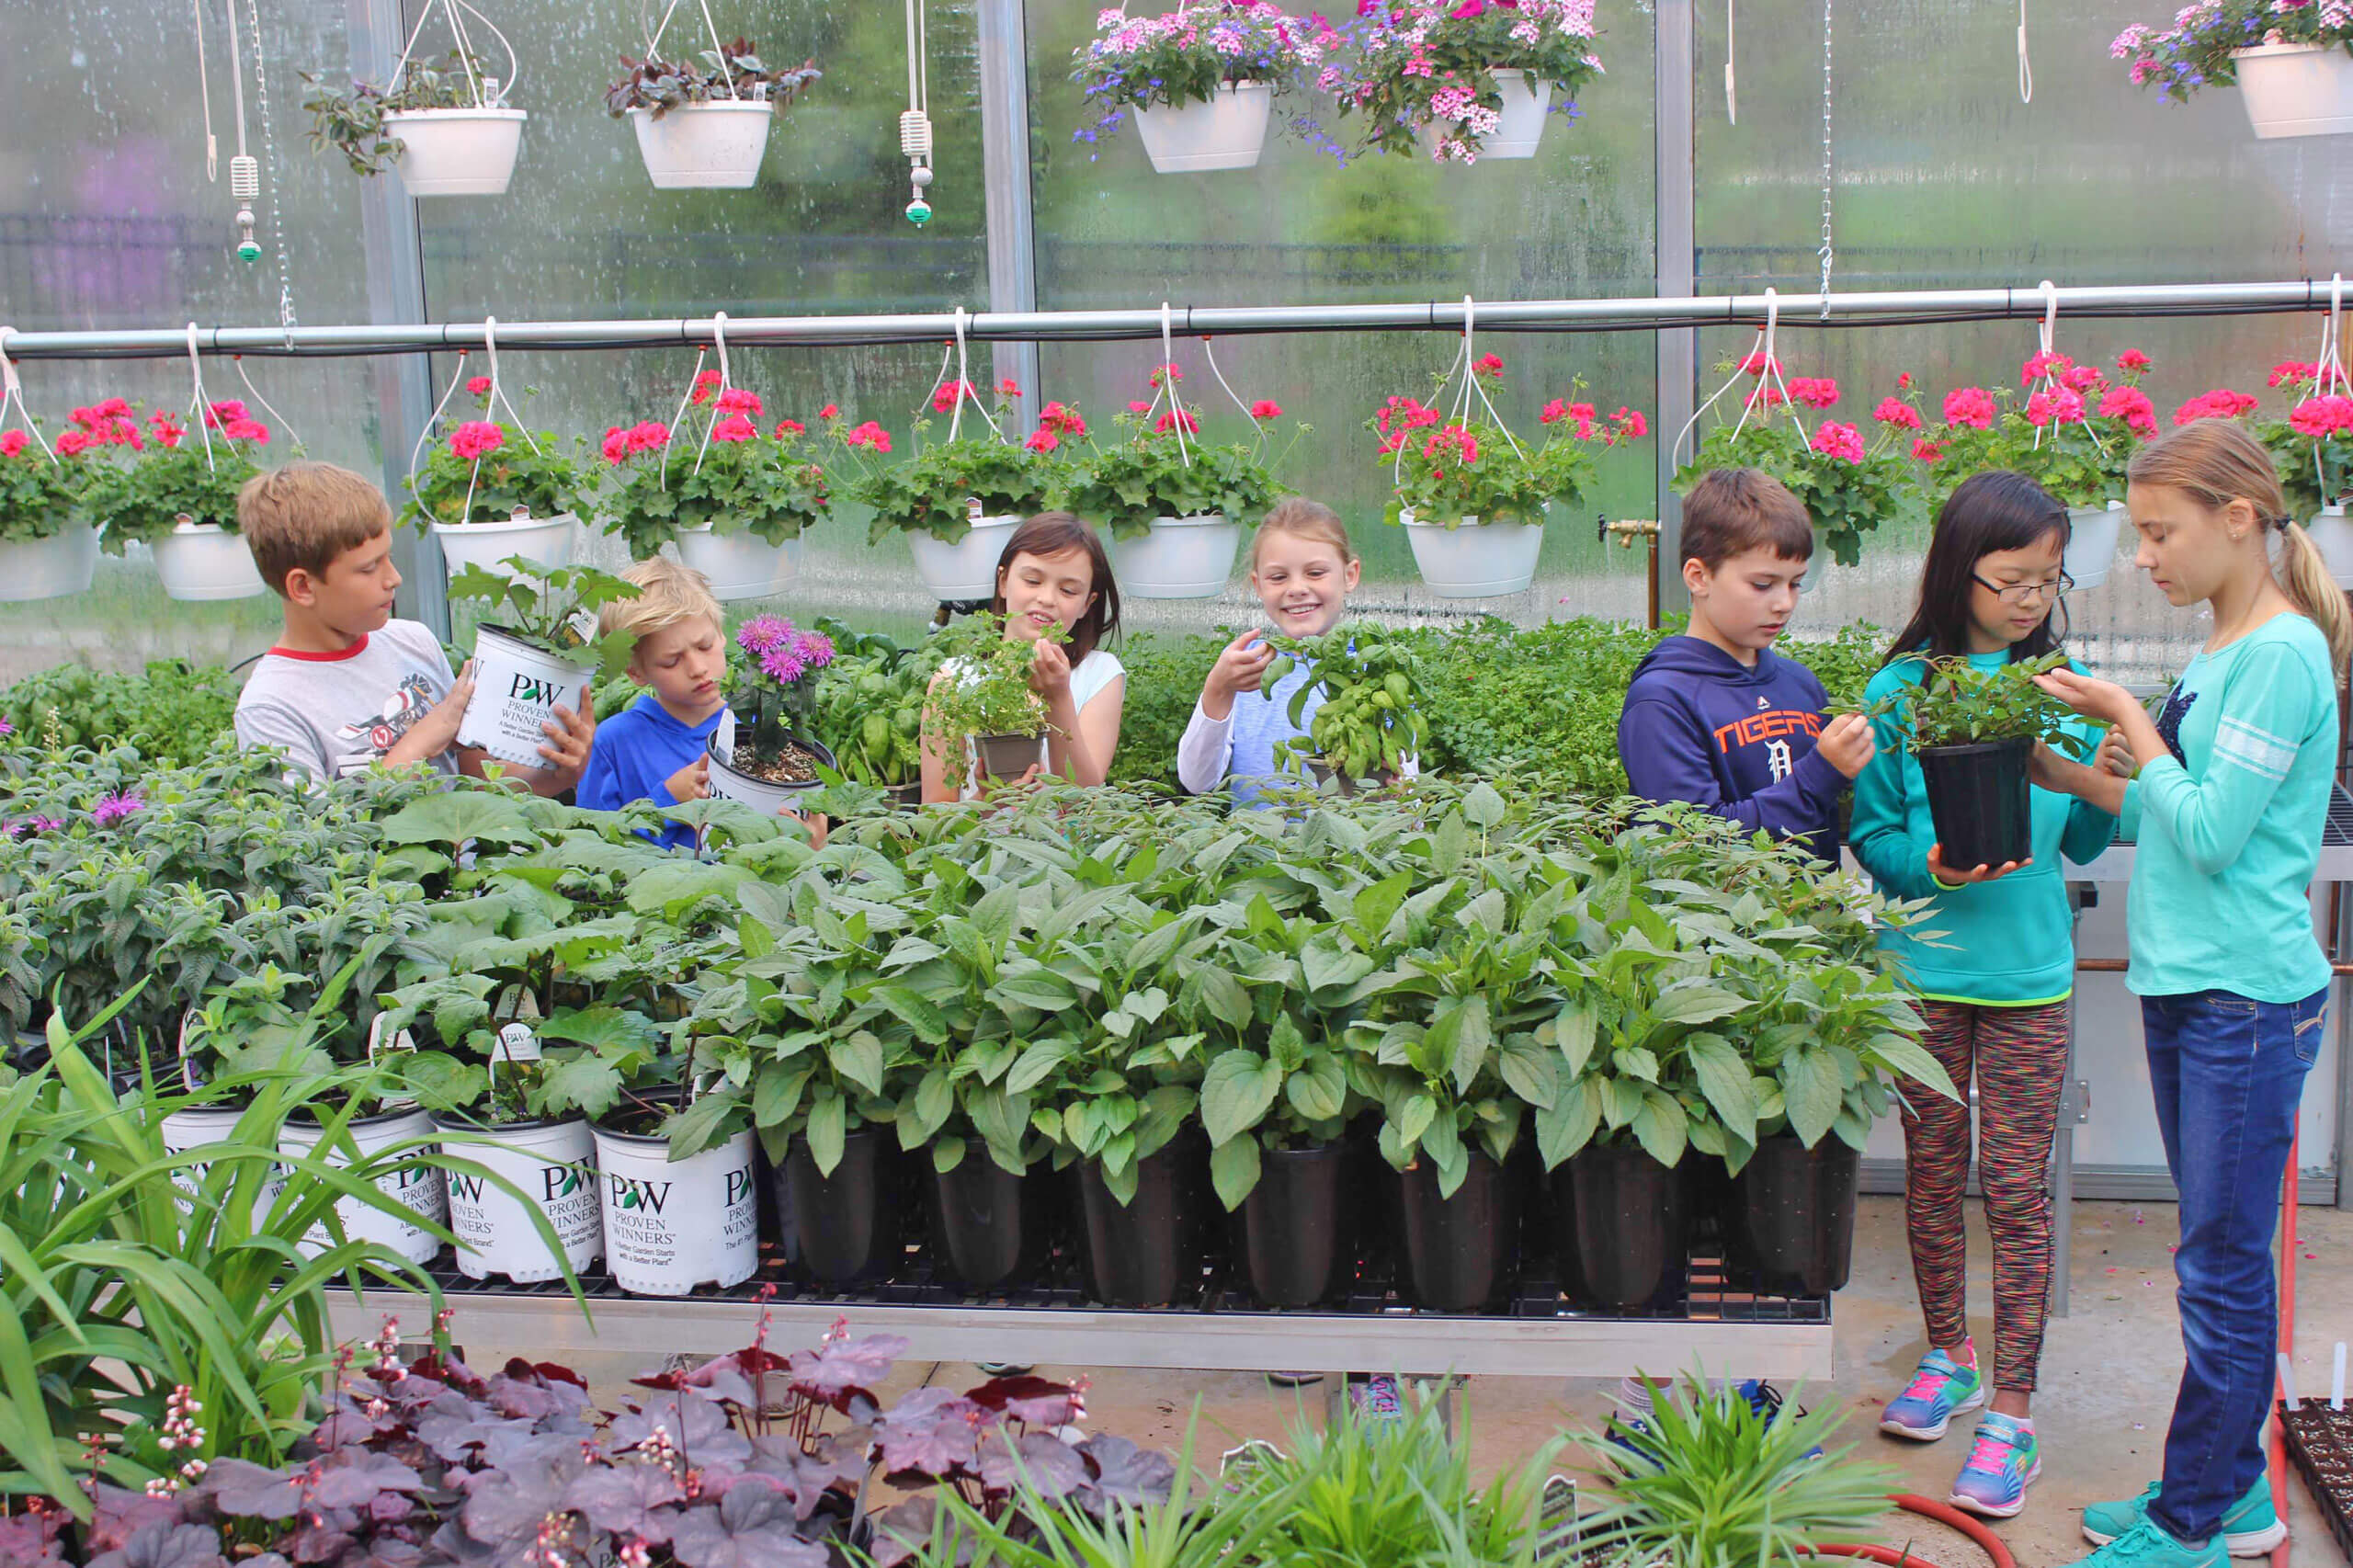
(1734, 510)
(668, 594)
(2215, 462)
(1050, 533)
(305, 515)
(1302, 518)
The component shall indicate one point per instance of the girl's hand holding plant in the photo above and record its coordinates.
(2092, 698)
(1953, 876)
(1241, 666)
(1050, 671)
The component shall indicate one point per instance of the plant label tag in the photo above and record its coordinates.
(518, 1000)
(404, 1041)
(516, 1042)
(972, 509)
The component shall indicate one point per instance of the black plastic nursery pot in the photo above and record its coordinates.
(1621, 1225)
(989, 1225)
(844, 1226)
(1141, 1252)
(1798, 1207)
(1712, 1194)
(1005, 757)
(1294, 1226)
(1977, 796)
(1460, 1252)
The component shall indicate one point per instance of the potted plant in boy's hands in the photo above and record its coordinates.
(702, 123)
(982, 696)
(2312, 448)
(1848, 485)
(776, 762)
(1972, 730)
(1201, 80)
(48, 546)
(1175, 507)
(2293, 60)
(445, 125)
(1471, 499)
(179, 494)
(957, 500)
(733, 498)
(494, 489)
(537, 650)
(1369, 723)
(1464, 79)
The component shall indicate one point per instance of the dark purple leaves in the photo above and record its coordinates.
(161, 1545)
(245, 1490)
(830, 1372)
(505, 1509)
(1042, 1460)
(697, 1429)
(752, 1527)
(1125, 1473)
(905, 1530)
(351, 1478)
(29, 1541)
(620, 1499)
(1039, 1402)
(931, 1432)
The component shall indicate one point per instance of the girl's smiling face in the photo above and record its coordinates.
(1303, 583)
(1045, 590)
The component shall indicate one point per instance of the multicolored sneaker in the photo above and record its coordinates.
(1376, 1397)
(2002, 1464)
(2147, 1546)
(2251, 1528)
(1940, 1390)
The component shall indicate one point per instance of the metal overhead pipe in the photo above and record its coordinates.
(1911, 307)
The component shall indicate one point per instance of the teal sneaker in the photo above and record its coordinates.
(2146, 1546)
(2002, 1463)
(2251, 1528)
(1940, 1390)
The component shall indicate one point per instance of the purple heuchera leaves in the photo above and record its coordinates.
(1125, 1473)
(752, 1526)
(1041, 1460)
(932, 1432)
(627, 1500)
(845, 1366)
(161, 1545)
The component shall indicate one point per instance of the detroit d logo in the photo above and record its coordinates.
(1776, 759)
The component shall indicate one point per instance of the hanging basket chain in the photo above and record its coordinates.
(1829, 168)
(269, 172)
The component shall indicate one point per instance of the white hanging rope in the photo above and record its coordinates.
(1210, 354)
(1471, 383)
(12, 391)
(662, 480)
(718, 342)
(292, 439)
(204, 92)
(1769, 374)
(726, 71)
(451, 8)
(1732, 100)
(964, 384)
(2025, 66)
(1168, 386)
(200, 408)
(2329, 368)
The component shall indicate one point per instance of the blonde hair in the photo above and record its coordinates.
(305, 515)
(668, 594)
(1302, 518)
(2215, 462)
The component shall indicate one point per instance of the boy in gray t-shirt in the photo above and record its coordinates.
(347, 687)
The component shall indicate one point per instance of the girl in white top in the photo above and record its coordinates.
(1054, 573)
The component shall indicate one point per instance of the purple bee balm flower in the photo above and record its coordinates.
(764, 633)
(816, 650)
(114, 807)
(7, 728)
(783, 665)
(26, 827)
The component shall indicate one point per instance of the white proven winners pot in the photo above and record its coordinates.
(518, 688)
(457, 151)
(555, 1164)
(713, 146)
(670, 1226)
(1229, 132)
(418, 1186)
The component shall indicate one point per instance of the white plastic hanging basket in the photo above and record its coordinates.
(1474, 559)
(201, 562)
(2091, 542)
(1518, 129)
(518, 688)
(711, 146)
(1227, 131)
(457, 151)
(548, 540)
(2332, 532)
(2296, 89)
(740, 565)
(670, 1226)
(49, 568)
(418, 1188)
(967, 568)
(555, 1164)
(762, 795)
(1181, 558)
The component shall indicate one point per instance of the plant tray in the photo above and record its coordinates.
(2320, 1442)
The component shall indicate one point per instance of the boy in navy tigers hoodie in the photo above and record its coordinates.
(1716, 717)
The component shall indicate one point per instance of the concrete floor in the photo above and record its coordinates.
(2109, 1373)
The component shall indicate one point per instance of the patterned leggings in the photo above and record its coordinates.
(2018, 1056)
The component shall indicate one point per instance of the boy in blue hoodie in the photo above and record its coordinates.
(1716, 717)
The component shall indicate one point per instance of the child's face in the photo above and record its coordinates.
(2186, 550)
(354, 593)
(1046, 590)
(1749, 598)
(684, 665)
(1997, 622)
(1303, 582)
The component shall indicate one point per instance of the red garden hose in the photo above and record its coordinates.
(1928, 1508)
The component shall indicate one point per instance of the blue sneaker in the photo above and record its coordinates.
(2251, 1528)
(2002, 1463)
(1765, 1401)
(1940, 1390)
(2147, 1546)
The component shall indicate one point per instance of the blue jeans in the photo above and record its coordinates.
(2228, 1073)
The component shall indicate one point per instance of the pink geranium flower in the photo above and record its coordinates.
(479, 386)
(1837, 440)
(2040, 365)
(1928, 452)
(784, 428)
(11, 443)
(2321, 416)
(740, 400)
(1969, 405)
(1756, 364)
(1489, 365)
(1176, 418)
(737, 427)
(1008, 388)
(706, 383)
(1894, 411)
(869, 434)
(476, 439)
(2131, 362)
(1631, 426)
(2220, 403)
(1043, 441)
(1815, 392)
(2054, 404)
(1266, 408)
(2132, 405)
(1063, 419)
(2288, 371)
(615, 444)
(831, 411)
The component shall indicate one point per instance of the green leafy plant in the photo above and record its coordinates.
(171, 478)
(2312, 445)
(869, 712)
(173, 712)
(1427, 64)
(983, 686)
(1956, 704)
(732, 477)
(40, 494)
(731, 73)
(1848, 484)
(353, 122)
(488, 472)
(1451, 468)
(1371, 717)
(2073, 431)
(948, 485)
(1151, 473)
(552, 609)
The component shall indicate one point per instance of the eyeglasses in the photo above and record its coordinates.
(2018, 593)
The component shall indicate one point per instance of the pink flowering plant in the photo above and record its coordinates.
(1150, 473)
(776, 684)
(1850, 482)
(1185, 56)
(729, 468)
(2200, 49)
(947, 484)
(1413, 64)
(1453, 468)
(163, 473)
(2312, 444)
(41, 489)
(2072, 429)
(484, 471)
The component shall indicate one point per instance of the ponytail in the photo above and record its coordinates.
(2216, 462)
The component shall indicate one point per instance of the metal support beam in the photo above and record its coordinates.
(396, 297)
(1644, 313)
(1005, 166)
(1676, 134)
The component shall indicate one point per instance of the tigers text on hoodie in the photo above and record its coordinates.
(1700, 726)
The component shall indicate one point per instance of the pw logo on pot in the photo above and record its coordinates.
(533, 689)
